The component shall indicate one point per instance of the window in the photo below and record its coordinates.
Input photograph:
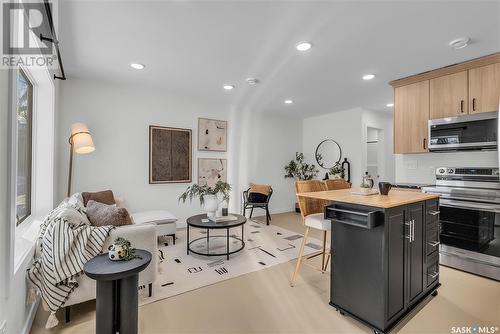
(24, 141)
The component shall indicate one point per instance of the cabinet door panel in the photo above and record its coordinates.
(411, 115)
(416, 251)
(484, 88)
(396, 269)
(448, 95)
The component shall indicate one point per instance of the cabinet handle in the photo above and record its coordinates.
(434, 213)
(434, 243)
(425, 143)
(413, 230)
(462, 106)
(409, 237)
(474, 104)
(434, 275)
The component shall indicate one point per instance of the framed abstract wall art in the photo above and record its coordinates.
(210, 171)
(169, 155)
(212, 135)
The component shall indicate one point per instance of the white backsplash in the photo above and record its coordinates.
(420, 168)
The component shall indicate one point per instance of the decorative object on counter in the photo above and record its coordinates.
(212, 135)
(368, 180)
(299, 170)
(208, 196)
(346, 166)
(364, 189)
(328, 154)
(211, 171)
(80, 142)
(121, 249)
(384, 188)
(169, 155)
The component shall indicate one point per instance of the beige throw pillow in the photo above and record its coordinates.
(102, 214)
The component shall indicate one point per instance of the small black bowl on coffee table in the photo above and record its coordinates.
(196, 221)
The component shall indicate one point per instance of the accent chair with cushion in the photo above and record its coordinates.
(257, 196)
(312, 212)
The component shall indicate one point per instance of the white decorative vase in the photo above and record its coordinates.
(211, 205)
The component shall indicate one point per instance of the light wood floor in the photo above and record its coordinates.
(264, 302)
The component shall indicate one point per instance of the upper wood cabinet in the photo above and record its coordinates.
(411, 115)
(484, 88)
(465, 88)
(448, 95)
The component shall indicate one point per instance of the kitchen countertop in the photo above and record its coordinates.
(394, 199)
(403, 185)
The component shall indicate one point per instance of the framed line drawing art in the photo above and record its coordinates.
(169, 155)
(210, 171)
(212, 135)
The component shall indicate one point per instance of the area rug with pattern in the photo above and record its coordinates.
(265, 246)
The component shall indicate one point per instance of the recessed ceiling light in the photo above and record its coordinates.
(459, 43)
(303, 46)
(252, 81)
(288, 101)
(368, 76)
(228, 87)
(390, 105)
(137, 66)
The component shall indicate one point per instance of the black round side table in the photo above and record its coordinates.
(197, 221)
(116, 292)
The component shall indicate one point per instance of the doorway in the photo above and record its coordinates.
(373, 152)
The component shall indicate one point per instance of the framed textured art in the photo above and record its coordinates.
(169, 155)
(212, 135)
(210, 171)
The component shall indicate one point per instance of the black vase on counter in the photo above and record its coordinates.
(384, 187)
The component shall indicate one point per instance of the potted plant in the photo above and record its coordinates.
(336, 171)
(208, 196)
(299, 170)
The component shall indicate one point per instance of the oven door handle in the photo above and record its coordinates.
(469, 205)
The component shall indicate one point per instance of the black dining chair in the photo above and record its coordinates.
(255, 200)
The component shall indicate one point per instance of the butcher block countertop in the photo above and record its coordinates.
(395, 197)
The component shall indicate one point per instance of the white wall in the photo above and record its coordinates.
(118, 117)
(349, 129)
(420, 168)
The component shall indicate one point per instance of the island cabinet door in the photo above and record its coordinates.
(415, 246)
(396, 232)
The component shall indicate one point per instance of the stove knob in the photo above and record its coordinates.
(441, 171)
(450, 171)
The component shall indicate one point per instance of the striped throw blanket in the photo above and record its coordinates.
(66, 242)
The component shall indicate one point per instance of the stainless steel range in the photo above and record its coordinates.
(469, 219)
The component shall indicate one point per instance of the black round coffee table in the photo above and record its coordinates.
(196, 221)
(116, 291)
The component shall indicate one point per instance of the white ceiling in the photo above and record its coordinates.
(192, 48)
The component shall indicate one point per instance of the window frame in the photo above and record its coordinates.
(29, 177)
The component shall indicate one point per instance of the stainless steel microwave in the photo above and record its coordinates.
(468, 132)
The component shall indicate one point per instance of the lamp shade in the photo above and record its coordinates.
(81, 139)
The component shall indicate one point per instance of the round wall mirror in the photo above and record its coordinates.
(328, 153)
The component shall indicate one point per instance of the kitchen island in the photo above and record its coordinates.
(385, 254)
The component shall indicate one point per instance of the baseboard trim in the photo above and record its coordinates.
(31, 316)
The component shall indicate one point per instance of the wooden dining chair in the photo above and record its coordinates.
(312, 212)
(337, 184)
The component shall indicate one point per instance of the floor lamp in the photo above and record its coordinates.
(80, 142)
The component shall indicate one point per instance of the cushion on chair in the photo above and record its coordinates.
(102, 214)
(105, 196)
(318, 221)
(263, 189)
